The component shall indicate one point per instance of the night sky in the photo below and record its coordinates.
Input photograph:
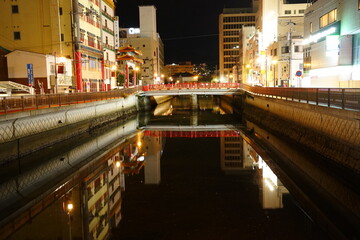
(188, 28)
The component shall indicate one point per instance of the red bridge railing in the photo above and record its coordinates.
(194, 85)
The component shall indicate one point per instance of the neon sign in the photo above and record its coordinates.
(134, 30)
(331, 30)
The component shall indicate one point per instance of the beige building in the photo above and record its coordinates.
(181, 67)
(231, 22)
(146, 40)
(72, 29)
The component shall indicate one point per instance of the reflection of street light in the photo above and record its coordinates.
(69, 209)
(274, 62)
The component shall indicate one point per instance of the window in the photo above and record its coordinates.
(62, 37)
(17, 36)
(328, 18)
(298, 48)
(301, 11)
(359, 5)
(60, 11)
(106, 40)
(105, 10)
(14, 8)
(275, 52)
(285, 49)
(105, 23)
(287, 11)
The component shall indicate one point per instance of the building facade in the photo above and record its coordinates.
(146, 40)
(332, 44)
(231, 22)
(275, 51)
(181, 67)
(80, 30)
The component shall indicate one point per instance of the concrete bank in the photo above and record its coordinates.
(26, 132)
(334, 133)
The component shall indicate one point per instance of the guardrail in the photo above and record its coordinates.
(344, 98)
(40, 101)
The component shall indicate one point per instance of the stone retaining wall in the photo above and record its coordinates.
(334, 133)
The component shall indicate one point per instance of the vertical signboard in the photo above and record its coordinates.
(30, 74)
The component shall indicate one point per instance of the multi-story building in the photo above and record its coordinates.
(181, 67)
(72, 29)
(42, 27)
(231, 21)
(278, 38)
(146, 40)
(108, 41)
(332, 44)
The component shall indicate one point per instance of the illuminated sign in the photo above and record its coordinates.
(134, 30)
(333, 29)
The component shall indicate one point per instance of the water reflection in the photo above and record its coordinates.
(162, 174)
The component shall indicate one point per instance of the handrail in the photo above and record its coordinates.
(40, 101)
(343, 98)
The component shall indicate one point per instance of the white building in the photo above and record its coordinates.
(147, 40)
(43, 70)
(332, 44)
(278, 38)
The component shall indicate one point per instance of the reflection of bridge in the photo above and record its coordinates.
(194, 131)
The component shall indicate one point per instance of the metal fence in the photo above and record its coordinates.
(40, 101)
(343, 98)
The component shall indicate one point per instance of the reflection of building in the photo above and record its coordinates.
(231, 22)
(332, 44)
(154, 147)
(232, 154)
(271, 188)
(96, 204)
(147, 40)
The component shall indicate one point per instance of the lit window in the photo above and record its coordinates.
(311, 27)
(14, 8)
(328, 18)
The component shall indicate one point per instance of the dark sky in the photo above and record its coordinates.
(188, 28)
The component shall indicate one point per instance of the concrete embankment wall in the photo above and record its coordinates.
(334, 133)
(33, 130)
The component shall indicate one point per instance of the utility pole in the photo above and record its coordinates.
(290, 51)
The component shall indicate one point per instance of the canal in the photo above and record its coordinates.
(176, 173)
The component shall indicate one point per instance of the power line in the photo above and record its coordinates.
(189, 37)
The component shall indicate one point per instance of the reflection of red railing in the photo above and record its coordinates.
(191, 134)
(190, 85)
